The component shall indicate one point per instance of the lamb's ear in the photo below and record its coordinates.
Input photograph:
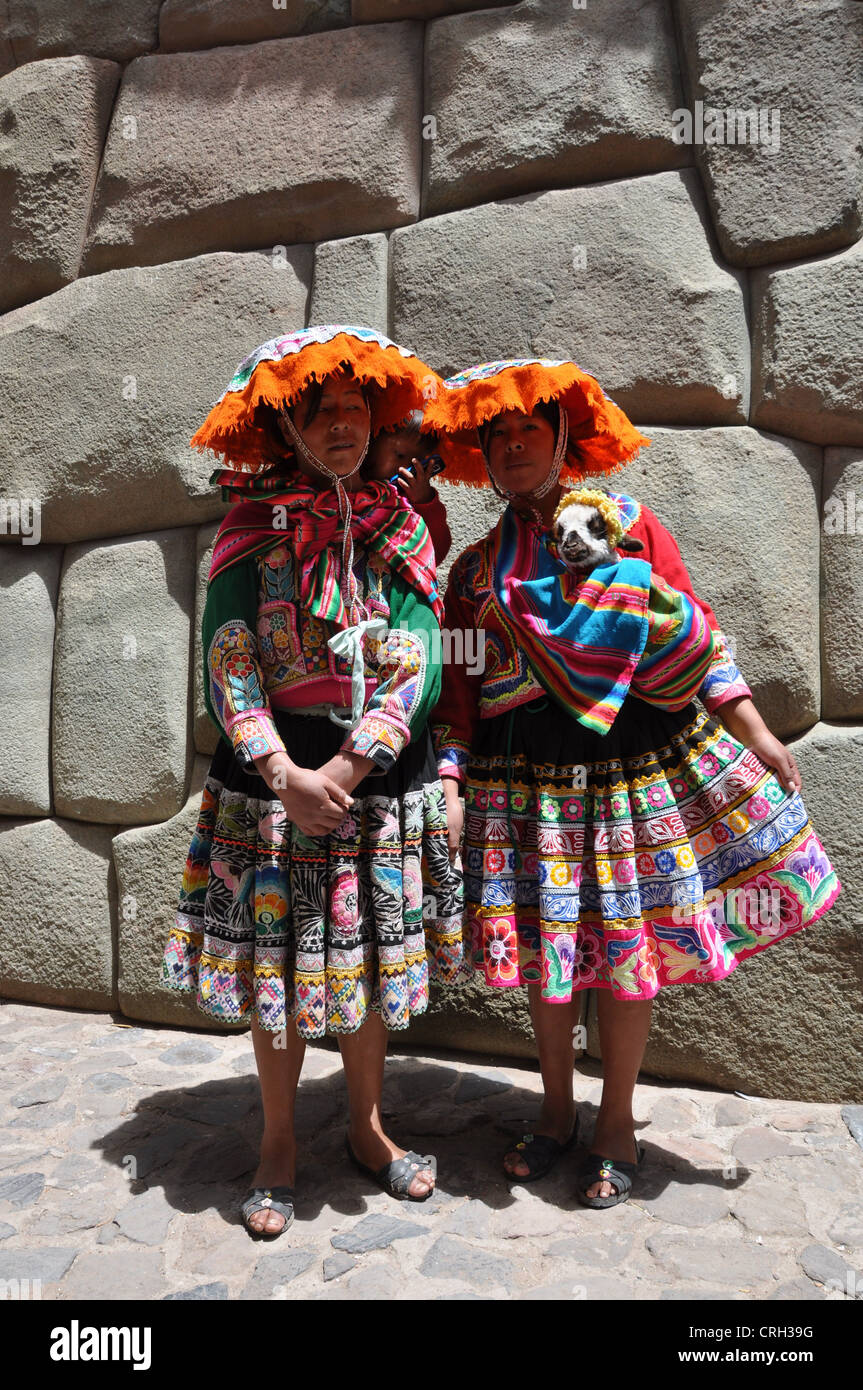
(630, 543)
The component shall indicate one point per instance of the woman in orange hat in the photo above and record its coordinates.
(301, 908)
(612, 840)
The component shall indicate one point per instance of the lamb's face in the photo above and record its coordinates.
(582, 541)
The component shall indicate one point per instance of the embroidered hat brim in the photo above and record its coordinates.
(278, 372)
(601, 436)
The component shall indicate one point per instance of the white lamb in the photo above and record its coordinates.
(588, 530)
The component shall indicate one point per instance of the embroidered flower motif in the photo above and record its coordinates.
(720, 833)
(603, 871)
(501, 952)
(665, 861)
(494, 860)
(645, 865)
(810, 862)
(656, 796)
(738, 821)
(624, 871)
(757, 807)
(774, 790)
(560, 874)
(704, 843)
(270, 908)
(343, 904)
(685, 857)
(572, 807)
(587, 958)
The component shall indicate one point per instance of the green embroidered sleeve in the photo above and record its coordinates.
(234, 689)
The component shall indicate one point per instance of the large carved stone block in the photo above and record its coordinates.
(620, 276)
(257, 146)
(103, 384)
(53, 118)
(121, 750)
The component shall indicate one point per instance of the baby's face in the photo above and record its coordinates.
(392, 450)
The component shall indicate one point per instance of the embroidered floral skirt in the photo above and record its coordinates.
(661, 853)
(320, 929)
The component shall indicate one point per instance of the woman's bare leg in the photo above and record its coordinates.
(363, 1056)
(623, 1028)
(553, 1026)
(279, 1074)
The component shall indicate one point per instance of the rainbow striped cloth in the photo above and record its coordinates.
(590, 641)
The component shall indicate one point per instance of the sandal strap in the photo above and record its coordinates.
(277, 1199)
(399, 1174)
(543, 1148)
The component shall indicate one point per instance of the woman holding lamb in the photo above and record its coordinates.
(607, 819)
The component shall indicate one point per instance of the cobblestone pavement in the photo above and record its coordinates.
(125, 1148)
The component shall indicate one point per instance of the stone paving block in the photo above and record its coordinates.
(192, 115)
(847, 1228)
(452, 1258)
(274, 1272)
(375, 1232)
(853, 1117)
(48, 1089)
(125, 398)
(756, 1145)
(54, 115)
(28, 594)
(497, 134)
(825, 1267)
(350, 281)
(146, 1218)
(469, 285)
(842, 585)
(200, 1291)
(23, 1189)
(806, 377)
(185, 24)
(121, 673)
(767, 1210)
(687, 1204)
(785, 183)
(69, 959)
(336, 1265)
(131, 1275)
(49, 1263)
(741, 1263)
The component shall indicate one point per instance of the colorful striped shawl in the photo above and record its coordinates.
(590, 640)
(309, 519)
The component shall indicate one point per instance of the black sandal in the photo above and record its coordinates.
(277, 1199)
(599, 1169)
(540, 1152)
(395, 1178)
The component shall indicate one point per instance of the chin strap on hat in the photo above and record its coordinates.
(355, 610)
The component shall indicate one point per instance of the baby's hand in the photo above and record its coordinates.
(415, 486)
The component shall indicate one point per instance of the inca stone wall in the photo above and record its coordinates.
(666, 190)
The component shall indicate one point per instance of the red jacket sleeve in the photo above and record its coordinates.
(433, 514)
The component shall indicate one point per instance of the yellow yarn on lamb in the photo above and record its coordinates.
(605, 505)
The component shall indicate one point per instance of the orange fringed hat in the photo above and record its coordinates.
(601, 437)
(278, 372)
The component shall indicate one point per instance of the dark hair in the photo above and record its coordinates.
(316, 390)
(549, 410)
(279, 452)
